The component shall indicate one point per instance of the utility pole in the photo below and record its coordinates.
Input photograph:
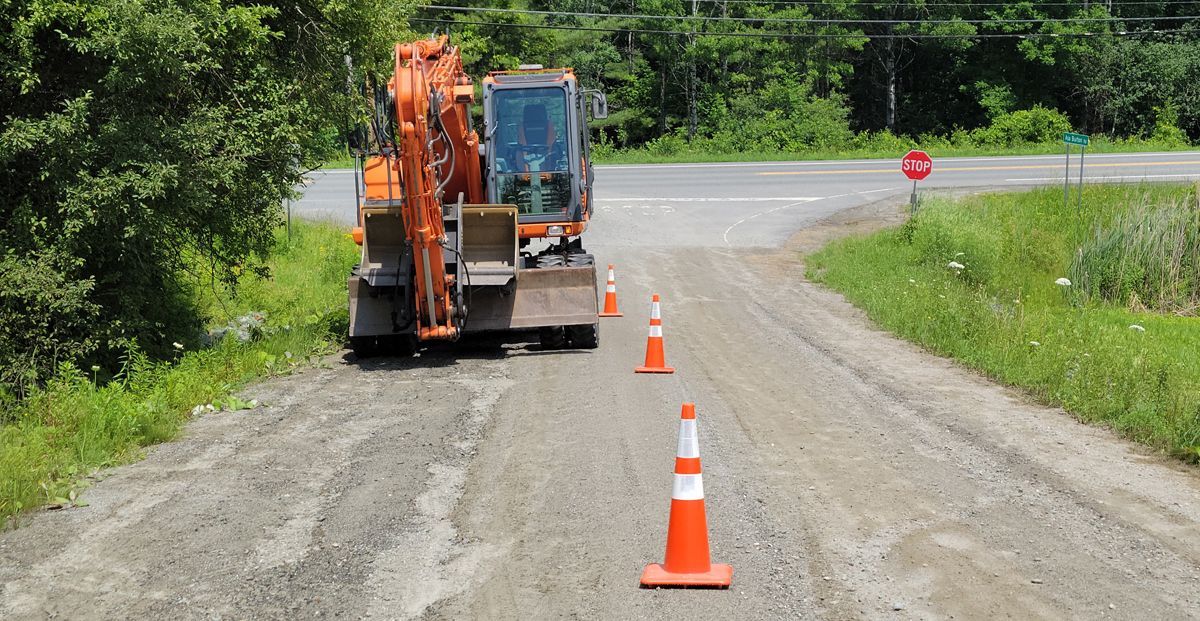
(692, 78)
(629, 35)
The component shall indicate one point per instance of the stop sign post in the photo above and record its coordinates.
(916, 165)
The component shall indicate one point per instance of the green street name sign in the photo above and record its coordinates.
(1079, 139)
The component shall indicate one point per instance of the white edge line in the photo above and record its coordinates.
(1106, 178)
(752, 199)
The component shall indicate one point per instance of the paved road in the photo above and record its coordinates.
(761, 204)
(848, 474)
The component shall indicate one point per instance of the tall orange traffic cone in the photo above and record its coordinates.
(655, 358)
(610, 296)
(687, 563)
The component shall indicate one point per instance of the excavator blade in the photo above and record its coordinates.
(554, 296)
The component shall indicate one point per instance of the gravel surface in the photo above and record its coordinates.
(848, 475)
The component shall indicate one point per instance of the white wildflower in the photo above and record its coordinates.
(1063, 282)
(95, 368)
(178, 345)
(1035, 343)
(955, 265)
(1137, 328)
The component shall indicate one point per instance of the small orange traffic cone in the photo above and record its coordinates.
(610, 296)
(687, 563)
(655, 358)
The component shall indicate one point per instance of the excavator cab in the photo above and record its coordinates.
(536, 141)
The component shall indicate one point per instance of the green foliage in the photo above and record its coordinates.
(79, 422)
(1166, 127)
(1147, 257)
(1004, 314)
(1034, 126)
(135, 135)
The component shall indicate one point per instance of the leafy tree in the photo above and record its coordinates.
(140, 139)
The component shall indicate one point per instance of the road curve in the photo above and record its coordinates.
(848, 474)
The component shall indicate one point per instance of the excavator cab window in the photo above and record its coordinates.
(532, 164)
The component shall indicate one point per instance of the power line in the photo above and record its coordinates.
(812, 35)
(815, 20)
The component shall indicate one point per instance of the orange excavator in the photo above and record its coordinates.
(460, 234)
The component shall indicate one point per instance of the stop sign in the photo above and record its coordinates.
(916, 165)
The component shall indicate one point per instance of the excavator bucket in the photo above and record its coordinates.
(500, 295)
(489, 244)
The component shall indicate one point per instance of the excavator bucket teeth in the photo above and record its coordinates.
(489, 244)
(556, 296)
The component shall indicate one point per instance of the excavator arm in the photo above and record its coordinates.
(427, 86)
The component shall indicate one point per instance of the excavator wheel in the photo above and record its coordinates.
(585, 336)
(399, 345)
(364, 346)
(552, 337)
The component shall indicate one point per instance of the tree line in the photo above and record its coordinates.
(792, 75)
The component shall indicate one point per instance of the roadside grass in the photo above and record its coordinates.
(55, 440)
(892, 148)
(1103, 355)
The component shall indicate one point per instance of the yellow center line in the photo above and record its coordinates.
(969, 168)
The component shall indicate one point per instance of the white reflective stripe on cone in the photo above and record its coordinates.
(688, 487)
(656, 331)
(654, 312)
(611, 276)
(611, 288)
(689, 444)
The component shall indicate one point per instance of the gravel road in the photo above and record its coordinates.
(848, 475)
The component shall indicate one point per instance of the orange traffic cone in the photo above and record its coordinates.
(687, 563)
(655, 358)
(610, 296)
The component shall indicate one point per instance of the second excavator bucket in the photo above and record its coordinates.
(489, 244)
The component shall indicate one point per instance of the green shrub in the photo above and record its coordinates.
(667, 144)
(1166, 127)
(1032, 126)
(42, 315)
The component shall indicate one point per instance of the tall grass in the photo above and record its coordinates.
(1099, 357)
(53, 440)
(1147, 258)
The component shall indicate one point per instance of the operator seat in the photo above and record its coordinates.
(536, 135)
